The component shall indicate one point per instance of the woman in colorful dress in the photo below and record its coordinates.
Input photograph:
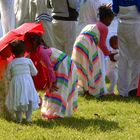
(85, 53)
(61, 95)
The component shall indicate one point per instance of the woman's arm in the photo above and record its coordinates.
(46, 62)
(103, 35)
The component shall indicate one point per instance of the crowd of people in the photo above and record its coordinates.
(73, 57)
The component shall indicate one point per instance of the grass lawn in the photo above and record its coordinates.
(107, 118)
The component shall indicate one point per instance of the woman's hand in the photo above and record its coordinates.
(111, 56)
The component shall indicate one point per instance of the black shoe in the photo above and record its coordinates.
(132, 93)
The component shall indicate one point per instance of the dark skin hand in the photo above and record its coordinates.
(111, 56)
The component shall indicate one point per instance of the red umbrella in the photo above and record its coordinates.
(19, 33)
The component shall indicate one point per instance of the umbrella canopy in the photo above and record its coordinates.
(19, 33)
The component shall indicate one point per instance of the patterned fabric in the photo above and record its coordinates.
(43, 16)
(64, 101)
(85, 55)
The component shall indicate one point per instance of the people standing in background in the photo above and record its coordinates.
(85, 53)
(64, 15)
(39, 12)
(1, 33)
(88, 14)
(7, 15)
(21, 10)
(113, 66)
(22, 95)
(128, 12)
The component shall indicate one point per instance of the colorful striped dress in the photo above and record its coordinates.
(63, 101)
(85, 55)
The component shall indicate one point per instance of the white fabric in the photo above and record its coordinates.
(36, 8)
(129, 46)
(88, 14)
(21, 87)
(113, 78)
(21, 10)
(7, 15)
(64, 35)
(1, 32)
(111, 64)
(105, 1)
(113, 71)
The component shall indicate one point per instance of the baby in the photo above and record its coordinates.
(113, 66)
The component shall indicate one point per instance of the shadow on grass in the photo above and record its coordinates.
(120, 99)
(79, 123)
(113, 98)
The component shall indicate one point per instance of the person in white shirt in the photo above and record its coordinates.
(64, 13)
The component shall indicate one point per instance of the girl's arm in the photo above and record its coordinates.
(33, 68)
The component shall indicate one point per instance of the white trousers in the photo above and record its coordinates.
(64, 35)
(21, 10)
(129, 48)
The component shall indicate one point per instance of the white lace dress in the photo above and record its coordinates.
(21, 86)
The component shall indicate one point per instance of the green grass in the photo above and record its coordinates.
(107, 118)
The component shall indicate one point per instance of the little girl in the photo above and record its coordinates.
(22, 95)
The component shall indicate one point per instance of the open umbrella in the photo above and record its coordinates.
(19, 33)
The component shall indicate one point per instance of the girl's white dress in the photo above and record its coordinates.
(21, 86)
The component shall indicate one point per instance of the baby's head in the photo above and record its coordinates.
(113, 42)
(18, 48)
